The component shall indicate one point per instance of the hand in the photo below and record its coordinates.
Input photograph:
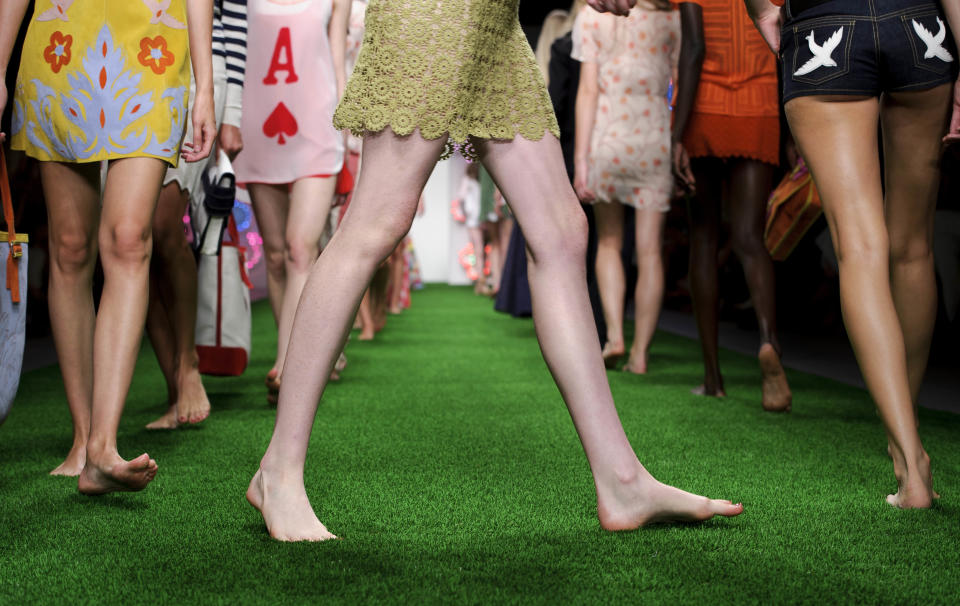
(230, 140)
(204, 128)
(580, 186)
(617, 7)
(953, 135)
(681, 168)
(767, 18)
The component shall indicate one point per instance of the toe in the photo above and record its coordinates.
(726, 508)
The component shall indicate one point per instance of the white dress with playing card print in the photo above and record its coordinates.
(289, 94)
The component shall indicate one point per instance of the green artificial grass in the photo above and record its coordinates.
(448, 465)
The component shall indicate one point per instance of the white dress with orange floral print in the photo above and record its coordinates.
(103, 79)
(629, 159)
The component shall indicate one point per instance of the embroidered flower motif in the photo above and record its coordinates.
(154, 54)
(58, 53)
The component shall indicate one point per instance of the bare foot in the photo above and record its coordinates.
(73, 464)
(703, 390)
(192, 403)
(776, 391)
(167, 421)
(642, 501)
(113, 474)
(636, 363)
(612, 352)
(916, 487)
(367, 333)
(286, 510)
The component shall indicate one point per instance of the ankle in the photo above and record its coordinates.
(99, 451)
(279, 472)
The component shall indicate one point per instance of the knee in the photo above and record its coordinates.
(649, 254)
(564, 239)
(299, 253)
(276, 261)
(609, 242)
(72, 251)
(909, 250)
(169, 240)
(126, 244)
(858, 248)
(379, 239)
(747, 242)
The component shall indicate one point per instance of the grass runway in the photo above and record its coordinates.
(447, 463)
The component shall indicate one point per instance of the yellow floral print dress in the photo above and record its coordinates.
(461, 68)
(103, 79)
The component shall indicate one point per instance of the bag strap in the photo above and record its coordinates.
(13, 273)
(235, 240)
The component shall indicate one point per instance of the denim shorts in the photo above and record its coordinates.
(865, 47)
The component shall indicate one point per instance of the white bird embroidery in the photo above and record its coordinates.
(159, 10)
(57, 11)
(821, 54)
(934, 43)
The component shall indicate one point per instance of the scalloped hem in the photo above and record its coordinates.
(465, 148)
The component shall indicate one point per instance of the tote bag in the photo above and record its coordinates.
(13, 299)
(223, 308)
(793, 208)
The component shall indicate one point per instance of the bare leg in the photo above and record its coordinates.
(627, 495)
(911, 124)
(270, 205)
(162, 339)
(176, 269)
(73, 212)
(383, 206)
(648, 296)
(611, 281)
(838, 140)
(496, 256)
(704, 215)
(750, 185)
(367, 331)
(310, 202)
(133, 185)
(531, 175)
(504, 229)
(395, 284)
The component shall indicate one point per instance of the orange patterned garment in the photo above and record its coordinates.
(736, 113)
(739, 75)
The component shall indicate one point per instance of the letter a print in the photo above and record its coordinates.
(282, 45)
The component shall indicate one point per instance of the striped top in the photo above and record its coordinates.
(230, 42)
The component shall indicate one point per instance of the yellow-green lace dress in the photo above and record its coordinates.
(461, 68)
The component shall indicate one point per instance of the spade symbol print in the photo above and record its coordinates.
(280, 122)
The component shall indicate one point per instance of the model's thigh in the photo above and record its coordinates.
(838, 140)
(171, 206)
(270, 205)
(532, 177)
(609, 219)
(129, 199)
(750, 185)
(72, 194)
(649, 224)
(395, 171)
(310, 202)
(913, 124)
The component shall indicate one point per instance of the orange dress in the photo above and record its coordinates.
(737, 110)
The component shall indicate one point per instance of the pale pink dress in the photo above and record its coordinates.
(289, 94)
(629, 159)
